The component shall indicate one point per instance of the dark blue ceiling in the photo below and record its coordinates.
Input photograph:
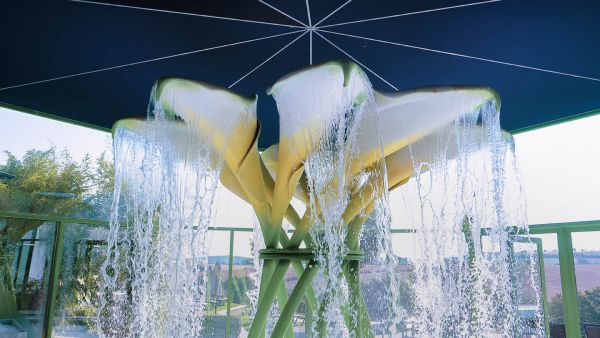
(50, 39)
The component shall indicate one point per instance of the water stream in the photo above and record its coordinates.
(465, 202)
(467, 206)
(154, 277)
(339, 181)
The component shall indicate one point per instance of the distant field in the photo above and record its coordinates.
(588, 277)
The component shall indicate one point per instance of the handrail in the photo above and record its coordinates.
(590, 225)
(51, 218)
(561, 229)
(76, 220)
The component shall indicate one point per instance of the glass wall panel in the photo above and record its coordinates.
(26, 249)
(217, 278)
(586, 252)
(77, 298)
(245, 286)
(232, 211)
(559, 168)
(48, 167)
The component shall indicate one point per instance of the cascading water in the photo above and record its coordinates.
(329, 192)
(342, 147)
(154, 276)
(467, 205)
(340, 185)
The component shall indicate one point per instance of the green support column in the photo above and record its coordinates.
(569, 285)
(229, 285)
(542, 272)
(53, 281)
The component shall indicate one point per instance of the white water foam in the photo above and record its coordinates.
(154, 280)
(339, 113)
(467, 205)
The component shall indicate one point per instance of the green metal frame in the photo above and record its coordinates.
(562, 230)
(566, 259)
(542, 272)
(54, 273)
(569, 284)
(229, 284)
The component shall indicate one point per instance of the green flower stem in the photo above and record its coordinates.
(298, 237)
(299, 269)
(311, 295)
(267, 272)
(297, 294)
(275, 278)
(267, 280)
(361, 320)
(320, 324)
(353, 234)
(269, 265)
(365, 321)
(282, 298)
(361, 323)
(267, 297)
(301, 232)
(293, 217)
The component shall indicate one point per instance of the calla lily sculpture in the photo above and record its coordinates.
(268, 180)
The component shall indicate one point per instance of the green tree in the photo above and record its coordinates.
(84, 286)
(589, 306)
(555, 309)
(239, 289)
(47, 182)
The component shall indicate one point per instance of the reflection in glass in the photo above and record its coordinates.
(83, 252)
(26, 248)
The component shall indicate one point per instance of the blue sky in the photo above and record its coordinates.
(20, 132)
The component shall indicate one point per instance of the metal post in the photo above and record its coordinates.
(542, 274)
(53, 281)
(229, 285)
(569, 284)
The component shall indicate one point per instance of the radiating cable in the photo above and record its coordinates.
(282, 12)
(184, 13)
(330, 14)
(267, 60)
(462, 55)
(146, 61)
(409, 13)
